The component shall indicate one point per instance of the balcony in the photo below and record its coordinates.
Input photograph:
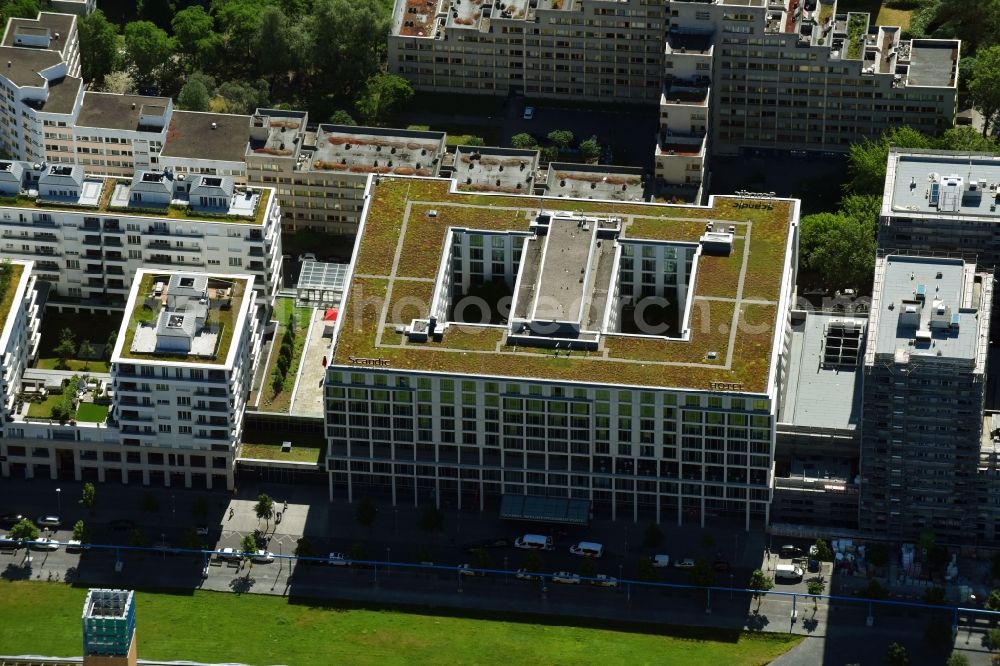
(690, 92)
(688, 43)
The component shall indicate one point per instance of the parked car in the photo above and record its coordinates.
(122, 525)
(788, 572)
(529, 112)
(8, 520)
(262, 557)
(6, 543)
(659, 560)
(524, 574)
(45, 544)
(467, 570)
(587, 549)
(201, 530)
(566, 577)
(499, 542)
(789, 551)
(534, 542)
(338, 560)
(230, 555)
(74, 545)
(49, 521)
(813, 566)
(602, 580)
(686, 563)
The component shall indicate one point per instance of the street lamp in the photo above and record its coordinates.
(505, 571)
(387, 560)
(732, 584)
(59, 499)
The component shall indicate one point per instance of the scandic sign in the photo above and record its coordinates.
(359, 360)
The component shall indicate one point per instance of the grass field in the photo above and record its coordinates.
(273, 452)
(43, 409)
(44, 618)
(91, 413)
(881, 14)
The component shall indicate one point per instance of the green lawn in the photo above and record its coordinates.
(73, 364)
(280, 402)
(257, 629)
(43, 410)
(91, 413)
(273, 452)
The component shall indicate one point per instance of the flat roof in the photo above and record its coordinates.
(820, 394)
(139, 315)
(735, 297)
(62, 95)
(560, 289)
(376, 150)
(902, 283)
(489, 169)
(17, 275)
(53, 22)
(920, 182)
(593, 181)
(191, 136)
(117, 112)
(23, 65)
(932, 63)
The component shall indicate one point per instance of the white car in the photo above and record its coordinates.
(524, 574)
(338, 560)
(262, 557)
(566, 577)
(230, 555)
(686, 563)
(45, 544)
(308, 256)
(74, 544)
(467, 570)
(529, 112)
(659, 560)
(602, 580)
(49, 521)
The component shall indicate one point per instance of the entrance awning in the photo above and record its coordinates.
(545, 509)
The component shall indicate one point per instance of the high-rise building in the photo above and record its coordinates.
(18, 329)
(624, 355)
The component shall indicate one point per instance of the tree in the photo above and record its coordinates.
(199, 508)
(590, 149)
(109, 346)
(80, 532)
(653, 536)
(18, 9)
(993, 601)
(475, 141)
(383, 93)
(868, 158)
(194, 32)
(242, 97)
(561, 138)
(147, 48)
(239, 21)
(66, 349)
(760, 584)
(248, 546)
(837, 249)
(432, 520)
(274, 44)
(341, 117)
(264, 508)
(88, 496)
(523, 141)
(365, 512)
(957, 658)
(533, 561)
(24, 530)
(873, 590)
(86, 351)
(194, 96)
(304, 547)
(277, 382)
(588, 568)
(137, 538)
(344, 44)
(976, 23)
(119, 83)
(984, 85)
(966, 140)
(823, 551)
(98, 46)
(550, 153)
(928, 541)
(896, 655)
(815, 586)
(702, 573)
(149, 502)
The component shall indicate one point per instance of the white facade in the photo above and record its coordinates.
(18, 334)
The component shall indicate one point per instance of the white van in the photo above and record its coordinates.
(587, 549)
(788, 572)
(534, 542)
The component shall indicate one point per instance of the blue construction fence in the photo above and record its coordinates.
(462, 571)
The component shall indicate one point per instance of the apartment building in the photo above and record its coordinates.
(181, 372)
(577, 350)
(88, 236)
(559, 49)
(320, 175)
(796, 75)
(924, 386)
(18, 329)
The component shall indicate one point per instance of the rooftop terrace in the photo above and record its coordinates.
(586, 181)
(488, 169)
(149, 311)
(10, 280)
(734, 310)
(376, 150)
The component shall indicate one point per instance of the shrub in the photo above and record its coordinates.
(653, 536)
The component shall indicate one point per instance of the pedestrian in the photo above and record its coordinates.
(230, 513)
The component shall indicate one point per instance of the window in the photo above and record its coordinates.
(164, 427)
(183, 416)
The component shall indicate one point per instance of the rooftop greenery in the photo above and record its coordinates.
(224, 318)
(10, 277)
(621, 359)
